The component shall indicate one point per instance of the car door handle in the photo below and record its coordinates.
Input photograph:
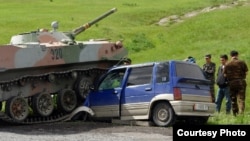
(148, 89)
(115, 92)
(197, 87)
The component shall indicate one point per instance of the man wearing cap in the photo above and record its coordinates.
(209, 69)
(236, 71)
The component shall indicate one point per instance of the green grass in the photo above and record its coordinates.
(135, 22)
(222, 118)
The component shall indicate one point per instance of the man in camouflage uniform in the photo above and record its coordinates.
(209, 69)
(236, 71)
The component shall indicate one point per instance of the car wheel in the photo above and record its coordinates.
(163, 115)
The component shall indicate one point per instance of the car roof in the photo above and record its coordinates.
(136, 65)
(150, 64)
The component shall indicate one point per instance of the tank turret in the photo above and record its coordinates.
(46, 36)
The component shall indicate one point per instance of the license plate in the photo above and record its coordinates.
(200, 107)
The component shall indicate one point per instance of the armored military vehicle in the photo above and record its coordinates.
(45, 75)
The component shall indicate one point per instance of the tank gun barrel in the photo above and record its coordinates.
(89, 24)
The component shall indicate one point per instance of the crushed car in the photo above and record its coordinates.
(161, 92)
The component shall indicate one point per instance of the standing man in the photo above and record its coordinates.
(236, 71)
(209, 71)
(223, 88)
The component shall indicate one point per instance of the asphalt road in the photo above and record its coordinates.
(83, 131)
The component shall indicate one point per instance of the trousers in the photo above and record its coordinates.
(221, 94)
(238, 95)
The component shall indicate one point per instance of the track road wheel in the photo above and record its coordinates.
(163, 114)
(82, 87)
(17, 108)
(67, 100)
(42, 104)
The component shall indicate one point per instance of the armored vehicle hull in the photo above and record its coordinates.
(45, 75)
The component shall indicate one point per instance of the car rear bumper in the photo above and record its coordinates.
(192, 108)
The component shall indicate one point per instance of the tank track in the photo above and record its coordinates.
(55, 116)
(34, 120)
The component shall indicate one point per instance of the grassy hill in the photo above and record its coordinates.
(194, 28)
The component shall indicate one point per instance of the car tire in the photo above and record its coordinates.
(163, 115)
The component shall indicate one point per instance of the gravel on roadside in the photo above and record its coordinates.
(83, 131)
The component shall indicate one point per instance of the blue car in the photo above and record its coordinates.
(161, 92)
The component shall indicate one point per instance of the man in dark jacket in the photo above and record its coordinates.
(236, 71)
(223, 88)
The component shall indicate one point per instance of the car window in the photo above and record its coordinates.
(162, 74)
(112, 80)
(189, 71)
(140, 75)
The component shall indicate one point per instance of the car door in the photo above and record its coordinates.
(105, 101)
(138, 93)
